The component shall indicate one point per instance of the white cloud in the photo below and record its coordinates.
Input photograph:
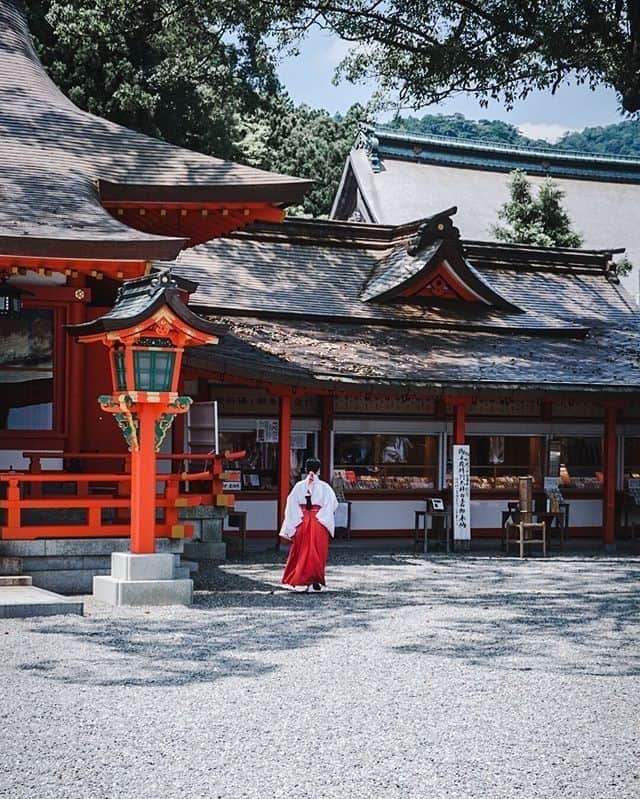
(543, 130)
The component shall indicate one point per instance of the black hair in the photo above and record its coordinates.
(312, 465)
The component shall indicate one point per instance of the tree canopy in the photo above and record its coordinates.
(202, 73)
(197, 73)
(537, 220)
(494, 49)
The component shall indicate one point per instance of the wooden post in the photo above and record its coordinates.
(75, 381)
(325, 437)
(610, 478)
(284, 455)
(143, 484)
(459, 421)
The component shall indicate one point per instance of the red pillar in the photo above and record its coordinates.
(459, 420)
(325, 436)
(284, 454)
(610, 477)
(143, 484)
(75, 382)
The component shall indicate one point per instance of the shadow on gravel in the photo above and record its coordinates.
(553, 625)
(511, 615)
(229, 632)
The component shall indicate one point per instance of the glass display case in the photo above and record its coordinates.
(577, 462)
(497, 462)
(395, 462)
(631, 459)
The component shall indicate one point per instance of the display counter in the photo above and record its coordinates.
(385, 462)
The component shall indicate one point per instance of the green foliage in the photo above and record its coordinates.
(457, 126)
(623, 266)
(537, 220)
(196, 73)
(423, 52)
(181, 71)
(620, 139)
(303, 141)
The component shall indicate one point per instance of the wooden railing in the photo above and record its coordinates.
(64, 504)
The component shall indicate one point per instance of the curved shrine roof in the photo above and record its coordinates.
(58, 162)
(313, 269)
(291, 296)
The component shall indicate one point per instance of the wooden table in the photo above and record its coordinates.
(421, 522)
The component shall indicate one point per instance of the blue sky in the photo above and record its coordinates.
(308, 76)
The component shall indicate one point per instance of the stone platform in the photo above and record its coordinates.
(68, 565)
(20, 599)
(208, 522)
(139, 580)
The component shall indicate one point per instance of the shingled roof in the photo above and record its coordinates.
(58, 163)
(314, 269)
(291, 296)
(329, 356)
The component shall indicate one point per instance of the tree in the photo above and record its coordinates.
(181, 70)
(196, 73)
(537, 220)
(457, 126)
(299, 140)
(494, 49)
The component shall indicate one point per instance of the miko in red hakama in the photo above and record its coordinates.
(308, 524)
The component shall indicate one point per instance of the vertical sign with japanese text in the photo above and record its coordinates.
(461, 492)
(267, 431)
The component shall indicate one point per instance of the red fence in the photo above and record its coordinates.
(64, 504)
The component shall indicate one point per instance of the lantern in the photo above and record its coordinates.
(146, 332)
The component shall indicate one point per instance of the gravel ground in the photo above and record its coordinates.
(446, 677)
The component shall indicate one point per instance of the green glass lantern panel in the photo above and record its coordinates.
(153, 369)
(118, 363)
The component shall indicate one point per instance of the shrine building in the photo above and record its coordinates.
(373, 346)
(391, 177)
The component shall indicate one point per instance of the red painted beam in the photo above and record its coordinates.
(284, 456)
(610, 476)
(325, 436)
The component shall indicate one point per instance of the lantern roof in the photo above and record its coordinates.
(144, 302)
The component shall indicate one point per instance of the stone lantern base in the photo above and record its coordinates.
(142, 580)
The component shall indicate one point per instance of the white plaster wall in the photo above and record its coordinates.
(261, 513)
(399, 514)
(391, 515)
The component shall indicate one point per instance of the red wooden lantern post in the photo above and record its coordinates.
(146, 333)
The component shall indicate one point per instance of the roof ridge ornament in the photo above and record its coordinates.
(435, 228)
(368, 141)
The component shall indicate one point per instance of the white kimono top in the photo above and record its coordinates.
(321, 494)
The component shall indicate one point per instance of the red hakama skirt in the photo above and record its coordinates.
(309, 549)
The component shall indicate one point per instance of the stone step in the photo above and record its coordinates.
(10, 566)
(205, 550)
(79, 547)
(66, 563)
(71, 581)
(22, 601)
(190, 564)
(142, 592)
(16, 579)
(181, 573)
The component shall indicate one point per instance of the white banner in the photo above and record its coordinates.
(461, 492)
(267, 431)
